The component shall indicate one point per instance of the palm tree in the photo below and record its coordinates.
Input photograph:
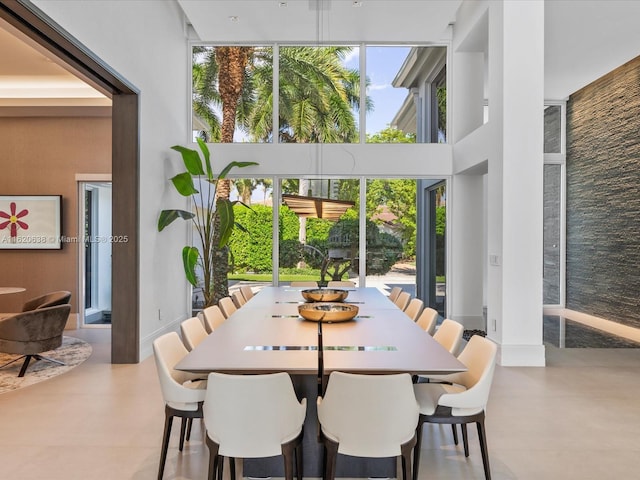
(317, 98)
(231, 63)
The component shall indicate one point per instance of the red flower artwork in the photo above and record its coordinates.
(14, 221)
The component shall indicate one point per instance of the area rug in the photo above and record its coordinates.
(72, 352)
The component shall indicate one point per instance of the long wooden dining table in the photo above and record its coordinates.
(267, 335)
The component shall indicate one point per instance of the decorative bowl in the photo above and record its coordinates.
(328, 312)
(324, 295)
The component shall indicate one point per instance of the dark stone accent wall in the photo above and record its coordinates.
(603, 197)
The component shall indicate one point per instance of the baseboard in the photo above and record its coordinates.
(146, 343)
(521, 355)
(73, 322)
(470, 322)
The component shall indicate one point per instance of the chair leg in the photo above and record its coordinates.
(220, 467)
(465, 439)
(12, 361)
(288, 452)
(405, 451)
(214, 459)
(168, 420)
(232, 468)
(23, 370)
(417, 448)
(483, 448)
(48, 359)
(189, 425)
(299, 461)
(292, 454)
(331, 451)
(454, 428)
(183, 429)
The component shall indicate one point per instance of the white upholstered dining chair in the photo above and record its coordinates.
(427, 320)
(461, 401)
(238, 299)
(304, 284)
(449, 335)
(247, 292)
(183, 393)
(393, 294)
(368, 416)
(403, 300)
(253, 416)
(193, 332)
(212, 317)
(414, 309)
(340, 283)
(227, 306)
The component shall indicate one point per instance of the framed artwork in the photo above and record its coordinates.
(31, 222)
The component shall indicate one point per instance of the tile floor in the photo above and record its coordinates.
(578, 418)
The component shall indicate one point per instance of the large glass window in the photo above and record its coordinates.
(552, 234)
(238, 81)
(319, 90)
(552, 129)
(391, 234)
(438, 100)
(250, 247)
(319, 230)
(319, 97)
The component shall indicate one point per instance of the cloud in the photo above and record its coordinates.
(378, 86)
(353, 55)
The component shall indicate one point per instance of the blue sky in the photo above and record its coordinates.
(383, 64)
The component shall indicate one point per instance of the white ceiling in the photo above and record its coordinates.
(584, 39)
(29, 76)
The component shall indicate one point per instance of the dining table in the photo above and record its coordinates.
(267, 335)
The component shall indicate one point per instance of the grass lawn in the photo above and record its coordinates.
(266, 277)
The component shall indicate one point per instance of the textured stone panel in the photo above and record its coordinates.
(603, 197)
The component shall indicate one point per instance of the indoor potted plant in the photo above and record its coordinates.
(210, 214)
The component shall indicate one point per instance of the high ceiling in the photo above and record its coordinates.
(584, 39)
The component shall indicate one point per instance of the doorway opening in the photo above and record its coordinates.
(432, 245)
(95, 255)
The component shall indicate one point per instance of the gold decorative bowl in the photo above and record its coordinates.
(328, 312)
(324, 295)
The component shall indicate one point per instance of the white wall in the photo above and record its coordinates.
(498, 170)
(145, 44)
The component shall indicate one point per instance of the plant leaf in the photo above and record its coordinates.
(207, 157)
(191, 159)
(224, 208)
(231, 165)
(168, 216)
(190, 260)
(241, 227)
(184, 184)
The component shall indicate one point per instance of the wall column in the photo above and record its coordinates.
(515, 180)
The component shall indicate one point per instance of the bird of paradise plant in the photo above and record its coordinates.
(211, 214)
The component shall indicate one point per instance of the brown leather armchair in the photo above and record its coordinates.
(30, 333)
(61, 297)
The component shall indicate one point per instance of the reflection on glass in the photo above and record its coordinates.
(551, 234)
(552, 129)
